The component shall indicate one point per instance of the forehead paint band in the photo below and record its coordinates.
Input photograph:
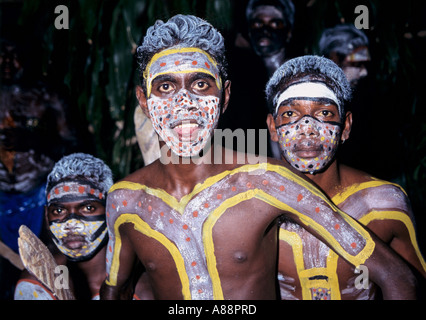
(307, 90)
(68, 191)
(180, 60)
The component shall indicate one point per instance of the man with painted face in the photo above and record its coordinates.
(270, 25)
(75, 214)
(347, 46)
(201, 222)
(76, 194)
(306, 96)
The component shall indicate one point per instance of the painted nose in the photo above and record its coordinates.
(73, 225)
(307, 128)
(184, 101)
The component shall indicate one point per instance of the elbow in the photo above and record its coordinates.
(399, 284)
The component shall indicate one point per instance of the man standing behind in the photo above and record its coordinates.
(306, 96)
(204, 224)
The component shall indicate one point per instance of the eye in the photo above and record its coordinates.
(201, 85)
(89, 208)
(256, 24)
(287, 114)
(58, 211)
(276, 24)
(165, 88)
(326, 113)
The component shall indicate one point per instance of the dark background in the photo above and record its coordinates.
(92, 66)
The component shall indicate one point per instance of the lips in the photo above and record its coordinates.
(74, 241)
(307, 148)
(264, 42)
(186, 129)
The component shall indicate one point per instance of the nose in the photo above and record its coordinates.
(184, 101)
(73, 225)
(306, 128)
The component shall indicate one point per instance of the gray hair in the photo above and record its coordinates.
(317, 67)
(83, 167)
(182, 30)
(285, 6)
(342, 39)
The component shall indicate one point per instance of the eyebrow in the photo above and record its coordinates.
(62, 205)
(315, 100)
(163, 77)
(202, 75)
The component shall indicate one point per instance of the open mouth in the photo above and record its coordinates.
(186, 130)
(264, 42)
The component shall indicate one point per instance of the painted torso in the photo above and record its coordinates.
(219, 241)
(315, 272)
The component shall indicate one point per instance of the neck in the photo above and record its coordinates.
(273, 62)
(187, 172)
(330, 180)
(94, 271)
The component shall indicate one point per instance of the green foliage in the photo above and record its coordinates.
(95, 60)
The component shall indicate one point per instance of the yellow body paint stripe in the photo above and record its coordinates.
(261, 195)
(145, 229)
(339, 198)
(360, 258)
(215, 215)
(180, 205)
(176, 50)
(332, 283)
(400, 216)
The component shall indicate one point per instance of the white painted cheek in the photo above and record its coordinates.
(328, 135)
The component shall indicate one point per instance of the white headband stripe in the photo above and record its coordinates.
(308, 90)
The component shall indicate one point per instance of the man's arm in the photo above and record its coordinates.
(391, 273)
(120, 254)
(308, 206)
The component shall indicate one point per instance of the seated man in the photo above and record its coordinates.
(75, 212)
(202, 219)
(306, 96)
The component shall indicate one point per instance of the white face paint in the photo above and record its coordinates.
(306, 90)
(185, 123)
(77, 236)
(308, 144)
(354, 65)
(309, 136)
(186, 120)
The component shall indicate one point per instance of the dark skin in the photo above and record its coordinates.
(93, 269)
(332, 181)
(269, 36)
(245, 261)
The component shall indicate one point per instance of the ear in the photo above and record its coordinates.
(271, 126)
(140, 95)
(226, 94)
(347, 126)
(46, 217)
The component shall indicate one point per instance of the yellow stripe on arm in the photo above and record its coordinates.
(145, 229)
